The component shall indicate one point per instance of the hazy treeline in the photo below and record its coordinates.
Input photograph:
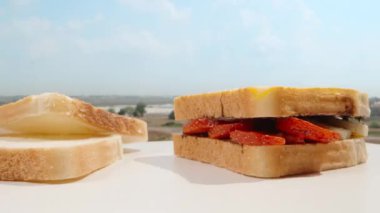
(108, 100)
(375, 106)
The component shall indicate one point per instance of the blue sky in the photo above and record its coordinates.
(167, 47)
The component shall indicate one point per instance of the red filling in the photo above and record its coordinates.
(262, 131)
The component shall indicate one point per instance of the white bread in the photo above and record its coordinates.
(52, 159)
(254, 102)
(53, 113)
(271, 161)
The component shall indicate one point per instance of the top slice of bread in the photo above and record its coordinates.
(254, 102)
(56, 114)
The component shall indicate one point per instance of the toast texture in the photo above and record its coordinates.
(254, 102)
(32, 159)
(271, 161)
(56, 114)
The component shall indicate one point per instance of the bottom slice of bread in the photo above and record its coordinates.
(271, 161)
(47, 159)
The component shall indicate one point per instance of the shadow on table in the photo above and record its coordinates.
(197, 172)
(129, 150)
(373, 140)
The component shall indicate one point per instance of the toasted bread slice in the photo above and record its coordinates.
(272, 102)
(54, 158)
(57, 114)
(271, 161)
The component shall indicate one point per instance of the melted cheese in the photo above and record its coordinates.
(263, 92)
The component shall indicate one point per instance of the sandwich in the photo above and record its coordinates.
(274, 132)
(52, 137)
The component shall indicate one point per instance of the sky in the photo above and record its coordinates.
(172, 47)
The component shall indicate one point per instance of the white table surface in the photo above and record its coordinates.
(151, 179)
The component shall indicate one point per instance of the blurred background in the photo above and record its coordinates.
(133, 56)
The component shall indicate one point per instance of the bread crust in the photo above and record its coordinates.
(109, 121)
(271, 161)
(101, 121)
(56, 160)
(254, 102)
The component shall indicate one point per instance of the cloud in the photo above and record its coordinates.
(20, 3)
(298, 6)
(140, 42)
(79, 24)
(231, 2)
(43, 48)
(36, 37)
(33, 26)
(308, 14)
(265, 40)
(306, 35)
(162, 7)
(40, 38)
(303, 31)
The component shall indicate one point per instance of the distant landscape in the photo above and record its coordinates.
(107, 100)
(157, 111)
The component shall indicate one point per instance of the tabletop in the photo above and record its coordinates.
(151, 179)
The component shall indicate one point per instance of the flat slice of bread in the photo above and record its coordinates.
(271, 161)
(52, 159)
(57, 114)
(272, 102)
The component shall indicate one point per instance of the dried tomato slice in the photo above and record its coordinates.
(198, 126)
(222, 131)
(255, 138)
(307, 130)
(293, 139)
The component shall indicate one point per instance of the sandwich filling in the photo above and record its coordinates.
(278, 131)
